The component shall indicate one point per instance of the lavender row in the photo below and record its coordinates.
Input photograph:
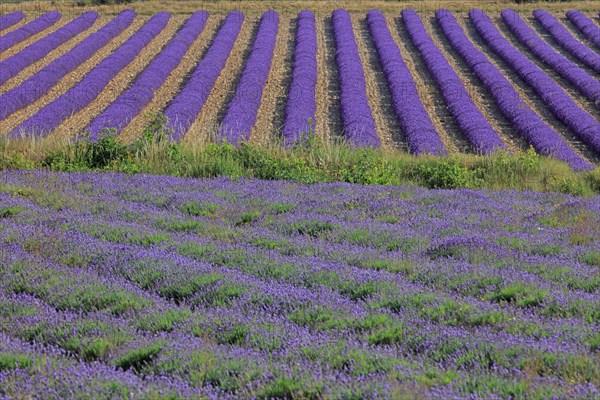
(129, 104)
(580, 122)
(301, 102)
(561, 35)
(42, 81)
(468, 117)
(414, 120)
(29, 29)
(570, 71)
(184, 108)
(589, 29)
(357, 118)
(38, 50)
(82, 94)
(8, 20)
(241, 112)
(527, 123)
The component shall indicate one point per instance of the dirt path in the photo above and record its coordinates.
(329, 123)
(174, 81)
(71, 78)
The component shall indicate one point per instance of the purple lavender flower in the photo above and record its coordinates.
(589, 29)
(29, 29)
(8, 20)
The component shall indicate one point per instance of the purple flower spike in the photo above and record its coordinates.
(527, 123)
(38, 50)
(359, 126)
(131, 102)
(41, 82)
(468, 117)
(589, 29)
(185, 107)
(82, 94)
(559, 33)
(8, 20)
(29, 29)
(241, 113)
(301, 103)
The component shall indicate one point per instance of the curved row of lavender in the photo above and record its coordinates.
(38, 50)
(357, 118)
(85, 91)
(471, 122)
(131, 102)
(414, 120)
(559, 33)
(29, 29)
(590, 30)
(525, 121)
(8, 20)
(241, 111)
(301, 102)
(42, 81)
(184, 108)
(579, 121)
(137, 286)
(579, 78)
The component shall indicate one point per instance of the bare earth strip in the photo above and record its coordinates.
(77, 123)
(571, 90)
(328, 115)
(174, 81)
(526, 93)
(429, 93)
(53, 55)
(378, 94)
(207, 122)
(479, 94)
(32, 39)
(71, 78)
(271, 113)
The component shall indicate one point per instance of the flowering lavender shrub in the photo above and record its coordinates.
(241, 112)
(41, 82)
(357, 119)
(468, 117)
(8, 20)
(38, 50)
(582, 123)
(129, 104)
(29, 29)
(525, 121)
(410, 112)
(301, 102)
(84, 92)
(570, 71)
(152, 286)
(589, 29)
(184, 108)
(559, 33)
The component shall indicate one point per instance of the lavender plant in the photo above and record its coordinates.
(8, 20)
(31, 28)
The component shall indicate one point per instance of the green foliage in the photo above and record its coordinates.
(138, 358)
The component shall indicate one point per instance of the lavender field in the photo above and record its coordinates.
(119, 286)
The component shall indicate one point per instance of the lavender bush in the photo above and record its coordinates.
(38, 50)
(559, 33)
(589, 29)
(570, 71)
(29, 29)
(301, 102)
(8, 20)
(129, 104)
(410, 112)
(579, 121)
(120, 286)
(241, 112)
(82, 94)
(525, 121)
(357, 119)
(41, 82)
(468, 117)
(184, 108)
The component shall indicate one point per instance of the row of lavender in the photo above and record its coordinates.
(356, 114)
(161, 287)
